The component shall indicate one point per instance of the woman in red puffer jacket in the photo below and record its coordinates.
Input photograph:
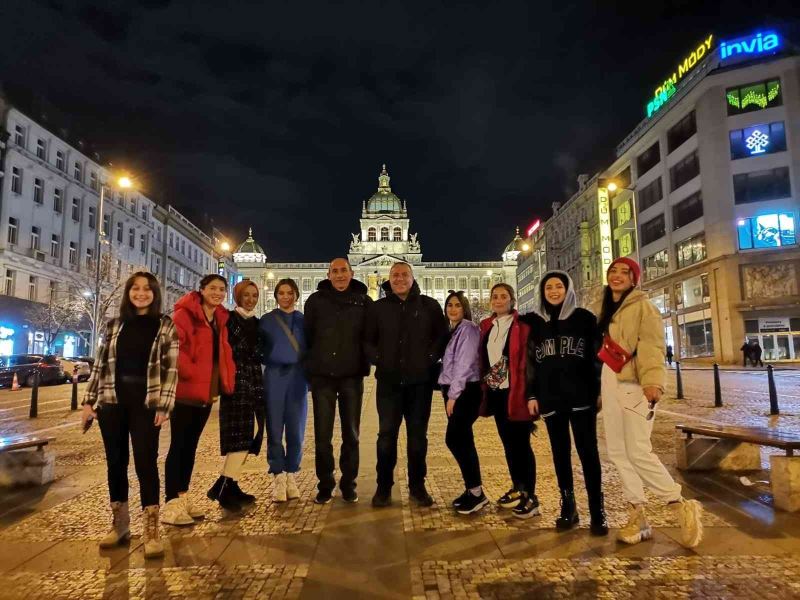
(205, 370)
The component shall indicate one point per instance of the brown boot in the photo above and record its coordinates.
(120, 526)
(153, 547)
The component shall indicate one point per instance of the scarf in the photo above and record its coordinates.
(247, 314)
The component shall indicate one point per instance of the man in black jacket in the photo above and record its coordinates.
(406, 334)
(336, 366)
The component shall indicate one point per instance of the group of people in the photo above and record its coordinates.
(560, 364)
(751, 350)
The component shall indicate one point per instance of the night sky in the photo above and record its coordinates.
(278, 115)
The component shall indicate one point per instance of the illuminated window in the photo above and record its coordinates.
(397, 234)
(691, 251)
(767, 231)
(758, 139)
(451, 283)
(371, 235)
(384, 234)
(656, 265)
(754, 96)
(438, 283)
(769, 184)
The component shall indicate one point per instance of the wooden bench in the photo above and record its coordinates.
(734, 448)
(25, 460)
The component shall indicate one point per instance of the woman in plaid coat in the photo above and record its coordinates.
(131, 392)
(241, 410)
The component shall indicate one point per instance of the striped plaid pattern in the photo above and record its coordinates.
(162, 368)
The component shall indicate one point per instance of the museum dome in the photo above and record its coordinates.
(250, 250)
(384, 201)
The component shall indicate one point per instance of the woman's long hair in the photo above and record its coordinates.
(127, 310)
(609, 307)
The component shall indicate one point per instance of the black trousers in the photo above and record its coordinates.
(186, 426)
(326, 393)
(584, 430)
(130, 418)
(516, 439)
(459, 438)
(396, 402)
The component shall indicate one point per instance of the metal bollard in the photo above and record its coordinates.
(73, 405)
(678, 380)
(773, 393)
(717, 387)
(35, 396)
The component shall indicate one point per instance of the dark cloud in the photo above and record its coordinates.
(111, 26)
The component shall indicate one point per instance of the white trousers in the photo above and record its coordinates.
(234, 462)
(627, 433)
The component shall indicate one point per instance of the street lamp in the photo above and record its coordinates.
(124, 182)
(225, 247)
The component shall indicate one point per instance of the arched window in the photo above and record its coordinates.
(371, 235)
(384, 234)
(397, 235)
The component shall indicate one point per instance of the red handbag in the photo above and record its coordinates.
(614, 355)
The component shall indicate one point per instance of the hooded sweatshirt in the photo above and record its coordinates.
(562, 371)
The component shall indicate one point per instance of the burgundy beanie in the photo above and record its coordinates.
(636, 270)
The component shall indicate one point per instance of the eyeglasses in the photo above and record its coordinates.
(650, 413)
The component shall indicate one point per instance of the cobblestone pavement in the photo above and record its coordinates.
(48, 536)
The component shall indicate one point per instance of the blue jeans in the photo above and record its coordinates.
(285, 390)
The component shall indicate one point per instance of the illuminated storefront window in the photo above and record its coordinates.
(767, 138)
(767, 231)
(755, 96)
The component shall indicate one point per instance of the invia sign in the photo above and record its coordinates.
(666, 90)
(749, 47)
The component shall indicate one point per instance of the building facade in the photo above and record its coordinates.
(532, 264)
(714, 190)
(384, 238)
(49, 226)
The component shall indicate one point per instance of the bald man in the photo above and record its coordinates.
(336, 365)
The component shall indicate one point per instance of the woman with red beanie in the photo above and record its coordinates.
(205, 370)
(240, 411)
(631, 383)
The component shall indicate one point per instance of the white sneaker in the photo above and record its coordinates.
(689, 513)
(637, 529)
(291, 487)
(279, 487)
(174, 513)
(192, 509)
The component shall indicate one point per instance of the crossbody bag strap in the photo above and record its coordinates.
(289, 334)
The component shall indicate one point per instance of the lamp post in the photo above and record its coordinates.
(613, 187)
(123, 182)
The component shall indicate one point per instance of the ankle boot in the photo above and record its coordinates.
(120, 526)
(569, 513)
(213, 491)
(599, 523)
(153, 547)
(242, 497)
(227, 496)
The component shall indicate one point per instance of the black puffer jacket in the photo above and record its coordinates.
(334, 325)
(405, 338)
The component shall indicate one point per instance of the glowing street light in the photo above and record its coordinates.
(225, 247)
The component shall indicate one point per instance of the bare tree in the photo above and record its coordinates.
(52, 318)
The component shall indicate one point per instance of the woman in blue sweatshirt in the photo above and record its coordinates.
(285, 389)
(564, 384)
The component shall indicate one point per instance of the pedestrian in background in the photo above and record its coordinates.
(669, 355)
(632, 382)
(461, 390)
(746, 350)
(564, 384)
(205, 370)
(755, 354)
(241, 411)
(285, 389)
(131, 392)
(405, 337)
(503, 351)
(336, 364)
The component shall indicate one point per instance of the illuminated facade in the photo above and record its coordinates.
(384, 238)
(713, 184)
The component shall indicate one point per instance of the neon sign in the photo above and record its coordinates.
(747, 47)
(757, 142)
(667, 89)
(5, 332)
(604, 212)
(534, 227)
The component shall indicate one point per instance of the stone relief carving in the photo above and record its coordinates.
(770, 281)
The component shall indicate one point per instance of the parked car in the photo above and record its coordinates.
(25, 365)
(69, 364)
(86, 359)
